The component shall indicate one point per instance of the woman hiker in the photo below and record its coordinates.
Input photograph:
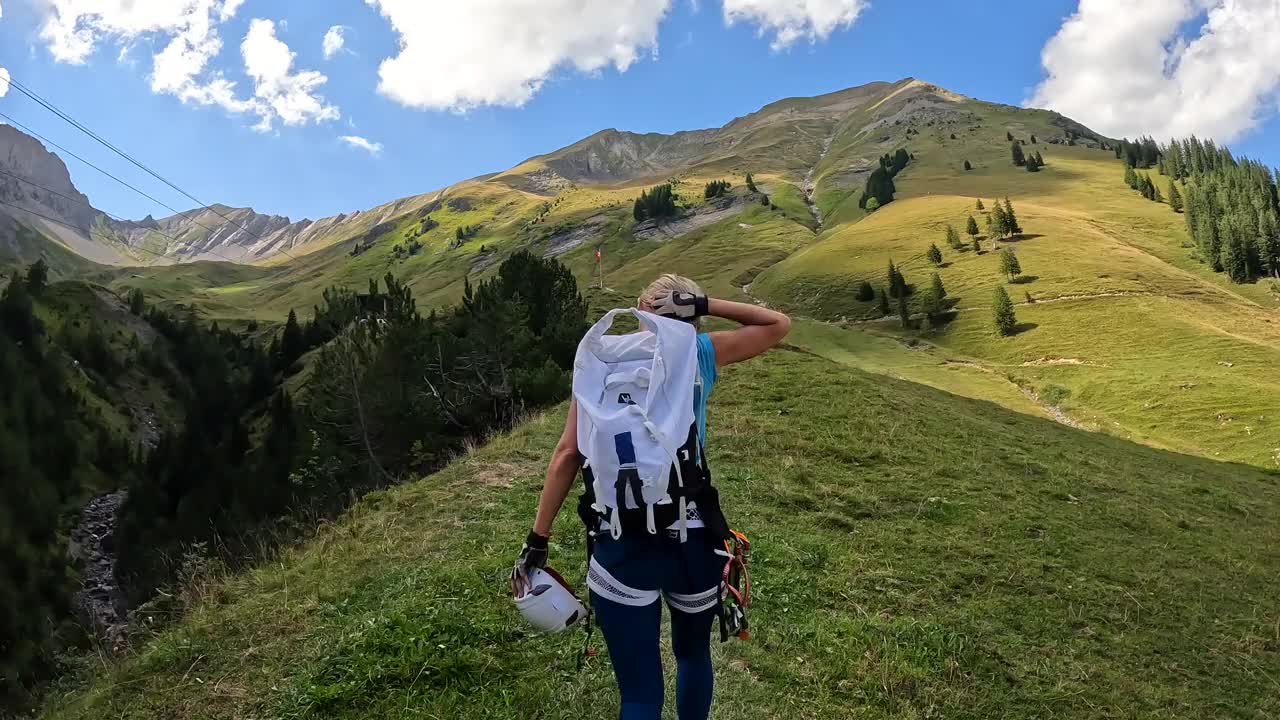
(628, 573)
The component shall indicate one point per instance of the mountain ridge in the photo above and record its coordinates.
(775, 137)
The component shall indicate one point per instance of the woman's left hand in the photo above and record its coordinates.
(532, 555)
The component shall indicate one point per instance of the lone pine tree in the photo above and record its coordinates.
(1009, 264)
(972, 226)
(1002, 312)
(1019, 158)
(953, 238)
(866, 293)
(934, 254)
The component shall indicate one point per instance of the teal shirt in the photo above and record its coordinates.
(706, 380)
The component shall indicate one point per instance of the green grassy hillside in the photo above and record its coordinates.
(1128, 332)
(1123, 328)
(127, 398)
(916, 555)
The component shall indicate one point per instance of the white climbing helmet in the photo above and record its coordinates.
(549, 604)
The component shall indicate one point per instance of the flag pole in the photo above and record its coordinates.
(600, 268)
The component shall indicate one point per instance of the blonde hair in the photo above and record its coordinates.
(669, 283)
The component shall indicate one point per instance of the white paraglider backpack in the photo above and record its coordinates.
(636, 423)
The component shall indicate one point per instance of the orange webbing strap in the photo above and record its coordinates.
(736, 581)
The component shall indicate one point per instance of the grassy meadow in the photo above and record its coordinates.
(1118, 323)
(917, 555)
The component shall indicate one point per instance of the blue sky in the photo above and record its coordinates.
(686, 66)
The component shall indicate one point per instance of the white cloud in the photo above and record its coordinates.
(792, 20)
(1125, 69)
(73, 29)
(290, 96)
(461, 55)
(4, 82)
(373, 148)
(229, 8)
(334, 41)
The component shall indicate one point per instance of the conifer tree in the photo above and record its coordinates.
(1033, 140)
(979, 205)
(751, 183)
(904, 313)
(891, 280)
(953, 238)
(1019, 159)
(1008, 136)
(931, 304)
(967, 166)
(37, 277)
(934, 254)
(1175, 197)
(1131, 177)
(1155, 193)
(972, 227)
(1235, 261)
(1010, 219)
(1005, 320)
(936, 286)
(1039, 159)
(1031, 165)
(1271, 252)
(866, 293)
(883, 306)
(292, 344)
(977, 245)
(997, 222)
(1009, 264)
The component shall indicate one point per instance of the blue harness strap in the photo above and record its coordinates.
(628, 474)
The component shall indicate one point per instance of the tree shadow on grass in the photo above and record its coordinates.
(1024, 279)
(1023, 327)
(1020, 238)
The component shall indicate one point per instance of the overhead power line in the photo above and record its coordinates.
(79, 126)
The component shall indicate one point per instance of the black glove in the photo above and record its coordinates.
(680, 305)
(532, 555)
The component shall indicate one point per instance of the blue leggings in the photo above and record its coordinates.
(626, 579)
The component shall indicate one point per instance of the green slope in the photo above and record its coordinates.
(1128, 334)
(916, 555)
(1120, 323)
(20, 246)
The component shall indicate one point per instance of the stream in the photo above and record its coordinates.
(811, 184)
(100, 602)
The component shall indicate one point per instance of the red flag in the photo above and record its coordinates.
(597, 253)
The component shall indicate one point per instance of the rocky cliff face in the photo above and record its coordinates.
(36, 191)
